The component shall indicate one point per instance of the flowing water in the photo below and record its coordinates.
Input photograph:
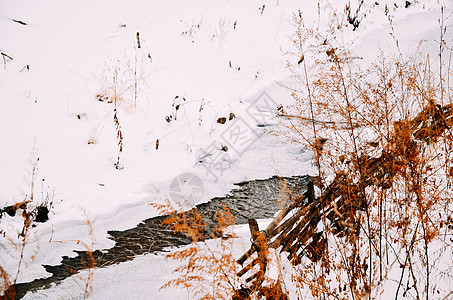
(257, 199)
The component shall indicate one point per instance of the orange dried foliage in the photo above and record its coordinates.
(387, 131)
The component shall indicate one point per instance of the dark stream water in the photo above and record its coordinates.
(258, 199)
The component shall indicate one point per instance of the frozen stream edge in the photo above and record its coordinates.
(258, 199)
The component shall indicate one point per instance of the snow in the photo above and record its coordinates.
(145, 275)
(211, 58)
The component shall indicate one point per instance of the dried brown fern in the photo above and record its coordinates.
(209, 268)
(395, 191)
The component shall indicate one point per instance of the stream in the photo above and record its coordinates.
(258, 199)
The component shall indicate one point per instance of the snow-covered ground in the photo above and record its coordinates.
(198, 61)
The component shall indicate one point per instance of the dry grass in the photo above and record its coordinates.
(381, 134)
(19, 248)
(85, 281)
(207, 272)
(385, 129)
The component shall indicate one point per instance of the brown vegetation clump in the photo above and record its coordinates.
(208, 272)
(382, 217)
(382, 144)
(386, 143)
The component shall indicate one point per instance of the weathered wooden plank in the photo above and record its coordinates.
(307, 233)
(254, 229)
(259, 246)
(248, 267)
(270, 229)
(305, 221)
(293, 234)
(309, 195)
(288, 224)
(246, 255)
(282, 214)
(253, 277)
